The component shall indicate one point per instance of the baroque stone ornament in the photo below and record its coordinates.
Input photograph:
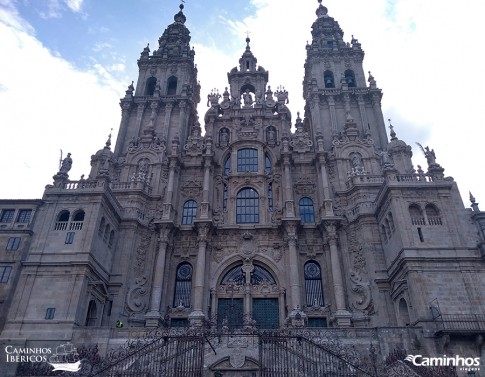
(137, 298)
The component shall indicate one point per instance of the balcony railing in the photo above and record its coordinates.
(462, 323)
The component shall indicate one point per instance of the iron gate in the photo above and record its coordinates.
(296, 356)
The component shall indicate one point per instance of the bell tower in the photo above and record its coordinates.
(335, 88)
(162, 107)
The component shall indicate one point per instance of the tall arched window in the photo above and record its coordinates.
(328, 79)
(433, 215)
(313, 284)
(270, 196)
(224, 197)
(171, 86)
(92, 314)
(416, 214)
(247, 206)
(101, 227)
(267, 164)
(350, 78)
(62, 220)
(77, 221)
(183, 286)
(189, 212)
(150, 86)
(307, 214)
(227, 165)
(247, 160)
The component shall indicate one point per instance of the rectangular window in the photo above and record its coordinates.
(69, 238)
(247, 160)
(230, 312)
(179, 322)
(266, 313)
(13, 243)
(49, 314)
(7, 216)
(317, 322)
(24, 215)
(5, 273)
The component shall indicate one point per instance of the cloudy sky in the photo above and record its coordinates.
(64, 65)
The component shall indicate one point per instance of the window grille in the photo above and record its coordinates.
(247, 160)
(189, 212)
(7, 216)
(313, 284)
(247, 206)
(307, 214)
(183, 286)
(24, 215)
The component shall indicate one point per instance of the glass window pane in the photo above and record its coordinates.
(189, 212)
(247, 160)
(307, 214)
(247, 206)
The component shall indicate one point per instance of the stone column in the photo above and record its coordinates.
(296, 315)
(173, 163)
(125, 115)
(289, 210)
(327, 200)
(197, 316)
(153, 318)
(342, 316)
(204, 206)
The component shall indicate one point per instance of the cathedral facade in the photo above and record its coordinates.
(249, 221)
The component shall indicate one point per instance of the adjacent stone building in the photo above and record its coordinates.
(249, 221)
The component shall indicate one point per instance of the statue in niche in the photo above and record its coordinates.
(271, 135)
(248, 98)
(224, 136)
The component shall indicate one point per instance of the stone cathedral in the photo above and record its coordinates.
(248, 241)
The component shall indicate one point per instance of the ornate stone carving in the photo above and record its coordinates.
(191, 188)
(305, 186)
(137, 298)
(195, 142)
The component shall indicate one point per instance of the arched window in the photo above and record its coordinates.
(403, 312)
(101, 227)
(171, 86)
(270, 196)
(328, 79)
(107, 230)
(189, 212)
(92, 314)
(77, 221)
(227, 166)
(267, 164)
(247, 160)
(237, 276)
(433, 215)
(150, 86)
(62, 220)
(307, 214)
(350, 78)
(247, 206)
(313, 284)
(183, 286)
(417, 217)
(224, 197)
(111, 238)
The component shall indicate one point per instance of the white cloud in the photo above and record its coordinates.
(425, 55)
(48, 105)
(74, 5)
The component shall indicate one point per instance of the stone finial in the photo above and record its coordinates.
(392, 133)
(321, 10)
(474, 203)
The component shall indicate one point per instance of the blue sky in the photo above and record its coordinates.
(64, 65)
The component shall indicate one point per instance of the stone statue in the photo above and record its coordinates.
(224, 136)
(248, 99)
(66, 164)
(430, 156)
